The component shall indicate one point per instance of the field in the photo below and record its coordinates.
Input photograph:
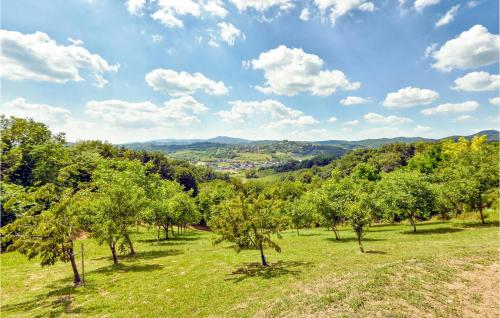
(447, 269)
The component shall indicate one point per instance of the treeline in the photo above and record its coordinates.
(52, 193)
(292, 165)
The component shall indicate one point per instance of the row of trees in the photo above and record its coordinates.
(52, 192)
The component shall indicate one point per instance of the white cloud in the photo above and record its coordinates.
(420, 5)
(351, 123)
(135, 7)
(262, 5)
(495, 101)
(390, 120)
(215, 8)
(463, 118)
(448, 17)
(50, 115)
(156, 38)
(292, 71)
(100, 81)
(183, 83)
(422, 129)
(169, 10)
(339, 8)
(478, 82)
(447, 108)
(229, 33)
(354, 100)
(76, 42)
(244, 110)
(332, 119)
(473, 4)
(305, 15)
(179, 111)
(299, 121)
(430, 49)
(37, 57)
(410, 96)
(471, 49)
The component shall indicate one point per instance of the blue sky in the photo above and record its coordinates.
(258, 69)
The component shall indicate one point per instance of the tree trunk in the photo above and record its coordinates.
(76, 275)
(178, 229)
(130, 245)
(113, 252)
(298, 234)
(412, 222)
(262, 256)
(359, 243)
(158, 234)
(337, 236)
(172, 228)
(482, 215)
(166, 231)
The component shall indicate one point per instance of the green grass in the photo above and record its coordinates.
(402, 275)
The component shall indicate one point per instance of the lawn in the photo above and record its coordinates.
(447, 269)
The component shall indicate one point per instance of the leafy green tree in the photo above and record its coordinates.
(187, 179)
(210, 195)
(406, 194)
(48, 232)
(366, 171)
(472, 171)
(118, 202)
(251, 173)
(249, 223)
(361, 207)
(303, 212)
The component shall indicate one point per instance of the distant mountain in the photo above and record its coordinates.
(172, 145)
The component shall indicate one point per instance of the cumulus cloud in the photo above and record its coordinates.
(305, 15)
(215, 8)
(135, 7)
(463, 118)
(374, 118)
(422, 129)
(420, 5)
(339, 8)
(50, 115)
(169, 11)
(478, 82)
(179, 111)
(37, 57)
(332, 119)
(76, 42)
(156, 38)
(229, 33)
(410, 96)
(292, 71)
(430, 49)
(183, 83)
(354, 100)
(299, 121)
(243, 110)
(495, 101)
(351, 123)
(262, 5)
(447, 108)
(471, 49)
(448, 17)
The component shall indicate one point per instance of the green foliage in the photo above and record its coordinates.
(407, 196)
(249, 223)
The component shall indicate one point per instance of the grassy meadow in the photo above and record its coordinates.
(447, 269)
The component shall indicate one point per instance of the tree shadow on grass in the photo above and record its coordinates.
(477, 224)
(172, 239)
(143, 255)
(440, 230)
(353, 239)
(376, 252)
(126, 268)
(59, 301)
(273, 270)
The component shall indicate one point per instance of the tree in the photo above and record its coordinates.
(472, 170)
(366, 171)
(48, 233)
(407, 194)
(249, 223)
(303, 211)
(187, 179)
(361, 208)
(210, 195)
(117, 202)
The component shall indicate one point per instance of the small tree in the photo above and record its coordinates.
(249, 223)
(303, 211)
(48, 233)
(407, 194)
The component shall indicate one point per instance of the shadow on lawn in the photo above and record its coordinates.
(59, 301)
(143, 255)
(125, 268)
(440, 230)
(473, 224)
(177, 239)
(273, 270)
(353, 239)
(376, 252)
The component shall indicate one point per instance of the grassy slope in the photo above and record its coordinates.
(434, 273)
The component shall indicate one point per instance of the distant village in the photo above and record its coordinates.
(231, 165)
